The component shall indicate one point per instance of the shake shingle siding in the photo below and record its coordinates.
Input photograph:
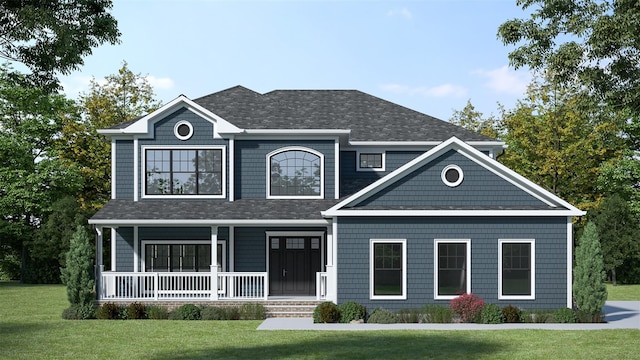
(551, 253)
(124, 249)
(124, 169)
(251, 165)
(479, 188)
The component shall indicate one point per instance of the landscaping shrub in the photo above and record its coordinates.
(108, 311)
(511, 314)
(409, 316)
(252, 311)
(185, 312)
(383, 316)
(589, 289)
(326, 312)
(468, 307)
(79, 312)
(135, 310)
(491, 314)
(351, 310)
(78, 274)
(155, 312)
(433, 313)
(211, 313)
(536, 316)
(565, 315)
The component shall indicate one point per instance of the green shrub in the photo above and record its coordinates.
(135, 310)
(409, 316)
(78, 274)
(185, 312)
(383, 316)
(351, 310)
(326, 312)
(79, 312)
(511, 314)
(536, 316)
(589, 290)
(434, 313)
(211, 313)
(587, 317)
(468, 307)
(108, 311)
(252, 311)
(491, 314)
(565, 315)
(155, 312)
(230, 313)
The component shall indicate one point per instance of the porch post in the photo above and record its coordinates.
(214, 263)
(332, 273)
(99, 267)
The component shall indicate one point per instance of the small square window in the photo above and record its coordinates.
(370, 161)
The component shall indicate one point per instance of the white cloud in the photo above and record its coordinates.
(402, 12)
(440, 91)
(160, 83)
(505, 80)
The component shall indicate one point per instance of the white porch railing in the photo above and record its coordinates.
(322, 281)
(182, 286)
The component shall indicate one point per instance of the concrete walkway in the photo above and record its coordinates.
(618, 314)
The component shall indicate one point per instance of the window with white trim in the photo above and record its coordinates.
(516, 269)
(295, 173)
(370, 161)
(452, 268)
(184, 172)
(388, 269)
(177, 257)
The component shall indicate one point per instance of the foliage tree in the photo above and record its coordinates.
(472, 119)
(32, 175)
(589, 290)
(51, 37)
(557, 141)
(125, 96)
(78, 274)
(619, 233)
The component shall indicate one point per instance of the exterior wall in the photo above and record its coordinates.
(124, 169)
(251, 165)
(164, 136)
(124, 249)
(479, 188)
(351, 180)
(550, 236)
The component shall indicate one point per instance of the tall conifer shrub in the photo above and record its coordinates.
(589, 289)
(78, 274)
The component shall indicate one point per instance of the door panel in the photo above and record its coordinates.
(293, 265)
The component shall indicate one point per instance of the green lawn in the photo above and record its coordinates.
(31, 328)
(623, 292)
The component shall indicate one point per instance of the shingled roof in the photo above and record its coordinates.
(369, 118)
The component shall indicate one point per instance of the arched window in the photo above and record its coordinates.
(295, 173)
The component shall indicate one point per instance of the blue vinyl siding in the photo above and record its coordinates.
(124, 249)
(251, 165)
(424, 187)
(164, 136)
(124, 169)
(550, 236)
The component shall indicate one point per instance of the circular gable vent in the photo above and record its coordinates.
(183, 130)
(452, 175)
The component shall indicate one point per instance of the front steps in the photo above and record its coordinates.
(290, 309)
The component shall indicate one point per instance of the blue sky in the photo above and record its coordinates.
(431, 56)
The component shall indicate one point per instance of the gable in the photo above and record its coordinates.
(424, 188)
(487, 188)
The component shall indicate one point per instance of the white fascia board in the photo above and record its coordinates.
(450, 213)
(200, 222)
(295, 132)
(141, 126)
(487, 144)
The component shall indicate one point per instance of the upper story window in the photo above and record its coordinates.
(184, 172)
(371, 161)
(295, 173)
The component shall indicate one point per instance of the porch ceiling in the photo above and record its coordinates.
(172, 211)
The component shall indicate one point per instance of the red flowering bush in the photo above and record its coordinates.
(468, 307)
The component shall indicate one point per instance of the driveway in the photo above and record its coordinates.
(618, 315)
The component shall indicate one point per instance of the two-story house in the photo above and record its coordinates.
(332, 195)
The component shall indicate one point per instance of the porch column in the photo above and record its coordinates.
(332, 273)
(214, 263)
(99, 268)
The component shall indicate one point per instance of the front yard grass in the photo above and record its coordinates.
(31, 327)
(623, 292)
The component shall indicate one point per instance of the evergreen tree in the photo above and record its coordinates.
(78, 274)
(589, 289)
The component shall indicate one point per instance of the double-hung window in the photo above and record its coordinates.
(516, 269)
(452, 268)
(184, 172)
(388, 269)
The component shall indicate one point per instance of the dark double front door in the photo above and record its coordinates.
(293, 264)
